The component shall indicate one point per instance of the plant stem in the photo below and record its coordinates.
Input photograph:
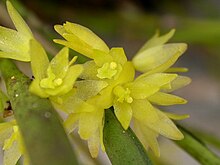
(197, 149)
(122, 147)
(44, 137)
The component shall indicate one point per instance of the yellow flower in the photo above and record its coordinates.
(53, 78)
(12, 143)
(108, 80)
(156, 56)
(135, 100)
(15, 44)
(80, 39)
(93, 94)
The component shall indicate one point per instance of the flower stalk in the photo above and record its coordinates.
(197, 149)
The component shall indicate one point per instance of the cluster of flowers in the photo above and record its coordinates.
(86, 91)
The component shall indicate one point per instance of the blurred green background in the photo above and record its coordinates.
(128, 24)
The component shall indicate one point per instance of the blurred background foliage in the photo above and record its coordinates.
(129, 23)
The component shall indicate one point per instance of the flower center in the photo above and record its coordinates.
(108, 70)
(51, 81)
(123, 94)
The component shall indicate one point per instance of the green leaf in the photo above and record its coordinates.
(196, 148)
(122, 147)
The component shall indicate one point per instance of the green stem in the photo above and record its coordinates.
(197, 149)
(44, 137)
(122, 147)
(207, 138)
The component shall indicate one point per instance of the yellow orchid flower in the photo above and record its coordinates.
(156, 56)
(87, 104)
(15, 44)
(135, 100)
(53, 78)
(80, 39)
(108, 80)
(106, 64)
(12, 144)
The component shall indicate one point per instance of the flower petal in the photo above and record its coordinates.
(127, 74)
(94, 143)
(161, 98)
(118, 55)
(89, 123)
(70, 78)
(144, 111)
(89, 71)
(177, 83)
(39, 60)
(147, 136)
(156, 79)
(123, 113)
(60, 63)
(89, 88)
(100, 57)
(140, 90)
(70, 103)
(12, 154)
(82, 39)
(159, 58)
(176, 69)
(176, 117)
(18, 21)
(5, 131)
(165, 126)
(156, 40)
(71, 122)
(10, 40)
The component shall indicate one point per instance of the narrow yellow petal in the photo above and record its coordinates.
(156, 79)
(171, 70)
(165, 99)
(127, 73)
(94, 143)
(5, 131)
(144, 111)
(177, 83)
(100, 58)
(156, 40)
(71, 122)
(81, 39)
(39, 60)
(18, 21)
(11, 40)
(12, 154)
(89, 123)
(140, 90)
(118, 55)
(147, 136)
(60, 63)
(176, 117)
(165, 126)
(123, 113)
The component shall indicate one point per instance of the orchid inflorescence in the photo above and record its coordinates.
(85, 91)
